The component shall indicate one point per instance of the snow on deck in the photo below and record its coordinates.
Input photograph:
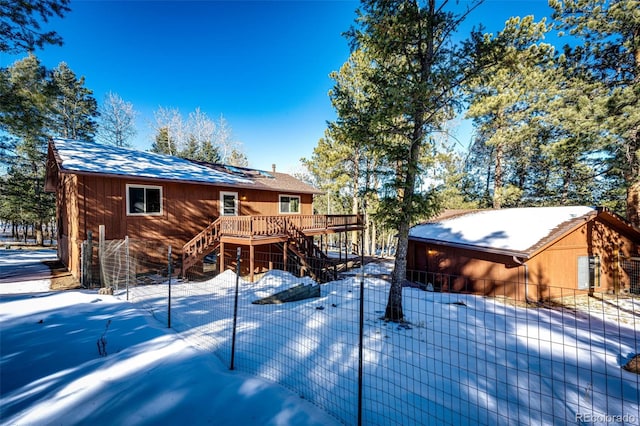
(516, 229)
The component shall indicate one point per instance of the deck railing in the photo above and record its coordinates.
(261, 226)
(256, 226)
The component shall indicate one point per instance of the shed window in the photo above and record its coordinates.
(144, 200)
(588, 272)
(289, 204)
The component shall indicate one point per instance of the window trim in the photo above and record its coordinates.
(280, 196)
(236, 203)
(145, 187)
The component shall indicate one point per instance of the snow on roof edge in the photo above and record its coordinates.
(92, 157)
(505, 231)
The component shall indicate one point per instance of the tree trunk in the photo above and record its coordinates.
(394, 310)
(498, 176)
(633, 204)
(373, 246)
(355, 207)
(38, 234)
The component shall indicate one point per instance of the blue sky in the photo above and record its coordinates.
(263, 65)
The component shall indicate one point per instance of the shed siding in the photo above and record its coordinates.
(67, 218)
(552, 272)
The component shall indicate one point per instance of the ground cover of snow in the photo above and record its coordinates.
(51, 371)
(460, 359)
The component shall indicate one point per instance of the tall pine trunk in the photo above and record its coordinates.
(394, 311)
(633, 204)
(38, 234)
(498, 177)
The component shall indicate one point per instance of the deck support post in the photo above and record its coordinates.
(284, 255)
(252, 251)
(221, 257)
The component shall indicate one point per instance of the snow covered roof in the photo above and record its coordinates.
(91, 157)
(517, 230)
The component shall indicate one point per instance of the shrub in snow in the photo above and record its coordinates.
(102, 341)
(633, 365)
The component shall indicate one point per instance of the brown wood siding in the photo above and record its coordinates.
(67, 214)
(556, 267)
(462, 270)
(552, 272)
(186, 209)
(252, 203)
(610, 244)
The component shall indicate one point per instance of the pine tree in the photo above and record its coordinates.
(74, 109)
(606, 63)
(237, 158)
(414, 76)
(507, 104)
(163, 144)
(21, 28)
(25, 117)
(36, 104)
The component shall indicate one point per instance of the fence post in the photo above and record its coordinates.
(87, 270)
(83, 263)
(128, 265)
(361, 334)
(235, 311)
(101, 236)
(169, 273)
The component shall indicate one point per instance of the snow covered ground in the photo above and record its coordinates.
(51, 372)
(461, 359)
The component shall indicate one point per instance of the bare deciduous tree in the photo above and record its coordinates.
(198, 137)
(117, 121)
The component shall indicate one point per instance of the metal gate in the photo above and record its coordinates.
(630, 269)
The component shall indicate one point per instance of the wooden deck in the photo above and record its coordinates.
(263, 228)
(258, 230)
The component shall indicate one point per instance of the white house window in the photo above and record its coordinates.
(144, 200)
(229, 203)
(588, 272)
(289, 204)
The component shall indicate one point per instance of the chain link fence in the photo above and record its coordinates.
(457, 359)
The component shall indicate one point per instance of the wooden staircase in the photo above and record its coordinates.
(201, 245)
(310, 256)
(305, 250)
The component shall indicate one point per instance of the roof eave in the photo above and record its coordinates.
(244, 185)
(53, 160)
(521, 254)
(619, 222)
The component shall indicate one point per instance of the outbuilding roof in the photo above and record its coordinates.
(515, 231)
(82, 157)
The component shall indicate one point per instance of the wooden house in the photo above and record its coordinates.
(197, 208)
(527, 254)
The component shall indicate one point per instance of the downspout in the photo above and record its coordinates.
(526, 278)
